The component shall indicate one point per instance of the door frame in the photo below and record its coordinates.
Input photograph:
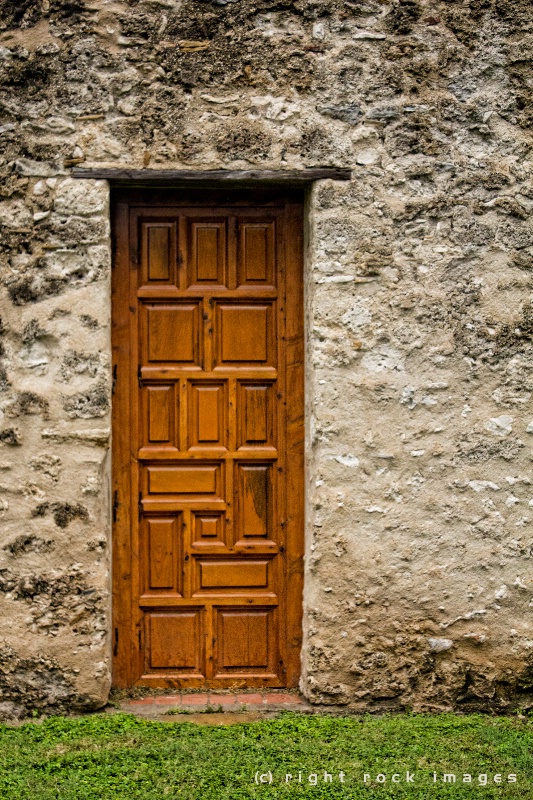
(125, 386)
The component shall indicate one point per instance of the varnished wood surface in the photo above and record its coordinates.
(208, 439)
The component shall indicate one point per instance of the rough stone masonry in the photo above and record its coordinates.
(419, 589)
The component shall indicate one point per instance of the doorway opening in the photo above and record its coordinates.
(208, 437)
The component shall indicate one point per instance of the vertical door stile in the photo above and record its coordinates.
(182, 250)
(295, 433)
(210, 640)
(207, 305)
(186, 542)
(232, 415)
(232, 252)
(229, 521)
(183, 412)
(281, 466)
(121, 550)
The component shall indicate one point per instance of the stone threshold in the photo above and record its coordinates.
(215, 701)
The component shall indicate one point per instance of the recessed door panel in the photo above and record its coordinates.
(159, 409)
(184, 479)
(209, 531)
(232, 574)
(162, 554)
(175, 640)
(253, 500)
(158, 251)
(207, 415)
(207, 241)
(256, 254)
(173, 333)
(245, 335)
(245, 641)
(256, 415)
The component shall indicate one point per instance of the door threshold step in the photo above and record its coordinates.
(214, 702)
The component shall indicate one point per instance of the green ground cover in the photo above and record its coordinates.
(114, 757)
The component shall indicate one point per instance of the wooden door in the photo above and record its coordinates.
(207, 438)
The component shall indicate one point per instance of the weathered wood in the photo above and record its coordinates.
(176, 176)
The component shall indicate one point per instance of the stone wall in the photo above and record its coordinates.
(418, 582)
(55, 435)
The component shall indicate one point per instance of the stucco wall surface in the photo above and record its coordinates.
(419, 588)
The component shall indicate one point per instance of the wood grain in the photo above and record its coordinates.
(208, 439)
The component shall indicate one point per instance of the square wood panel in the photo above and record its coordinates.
(245, 641)
(172, 333)
(245, 334)
(209, 530)
(176, 640)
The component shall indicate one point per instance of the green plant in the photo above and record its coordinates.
(121, 757)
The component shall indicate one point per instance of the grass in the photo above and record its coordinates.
(103, 757)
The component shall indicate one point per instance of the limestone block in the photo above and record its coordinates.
(80, 198)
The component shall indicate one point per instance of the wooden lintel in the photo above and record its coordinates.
(177, 176)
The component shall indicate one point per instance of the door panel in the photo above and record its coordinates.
(256, 254)
(208, 533)
(161, 553)
(158, 251)
(173, 333)
(208, 406)
(175, 641)
(207, 252)
(159, 414)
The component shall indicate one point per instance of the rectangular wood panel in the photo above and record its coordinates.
(162, 554)
(256, 253)
(160, 413)
(158, 251)
(183, 479)
(256, 414)
(207, 415)
(207, 410)
(252, 500)
(208, 252)
(232, 574)
(175, 639)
